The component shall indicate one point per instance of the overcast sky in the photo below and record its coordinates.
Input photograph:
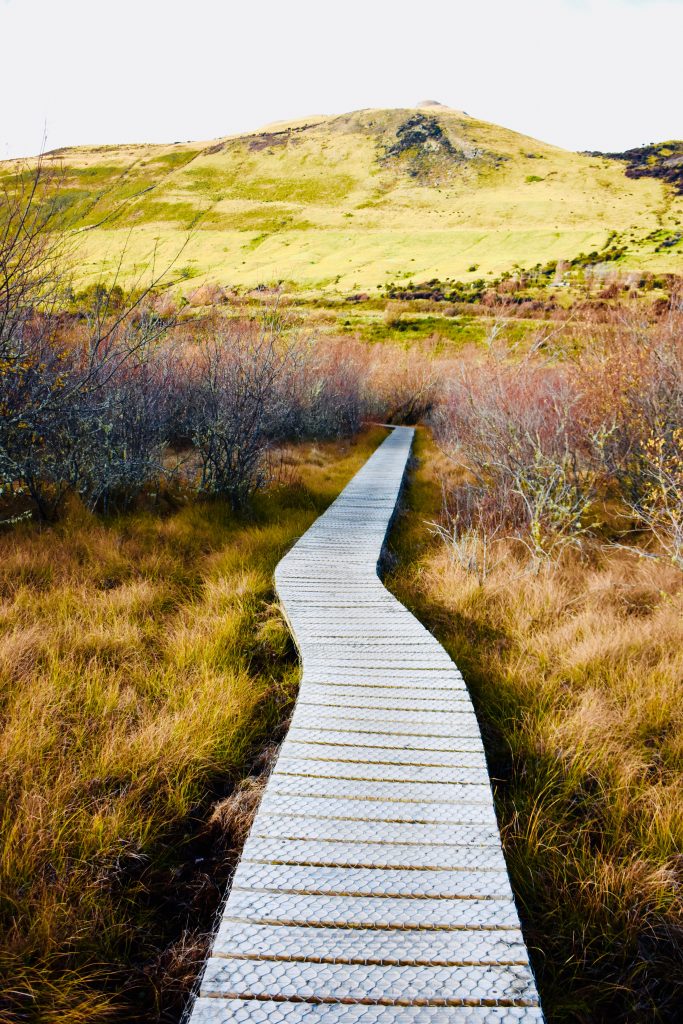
(584, 74)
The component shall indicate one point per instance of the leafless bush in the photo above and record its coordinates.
(402, 385)
(632, 411)
(542, 442)
(632, 387)
(237, 405)
(393, 313)
(209, 294)
(31, 257)
(127, 420)
(514, 428)
(76, 397)
(30, 291)
(90, 418)
(327, 388)
(471, 525)
(654, 495)
(660, 505)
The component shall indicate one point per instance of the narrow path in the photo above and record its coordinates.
(372, 887)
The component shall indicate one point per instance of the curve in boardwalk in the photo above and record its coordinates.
(372, 887)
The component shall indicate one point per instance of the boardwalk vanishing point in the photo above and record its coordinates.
(372, 887)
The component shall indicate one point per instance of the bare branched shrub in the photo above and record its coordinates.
(632, 385)
(87, 415)
(327, 388)
(470, 525)
(403, 385)
(81, 401)
(659, 507)
(127, 421)
(632, 411)
(393, 313)
(32, 256)
(237, 405)
(514, 429)
(543, 442)
(31, 287)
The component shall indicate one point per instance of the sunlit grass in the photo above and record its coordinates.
(576, 677)
(328, 212)
(144, 665)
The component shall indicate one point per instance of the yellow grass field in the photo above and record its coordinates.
(350, 202)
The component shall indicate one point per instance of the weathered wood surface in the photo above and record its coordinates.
(372, 887)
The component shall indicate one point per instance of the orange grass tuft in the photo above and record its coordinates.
(143, 667)
(576, 676)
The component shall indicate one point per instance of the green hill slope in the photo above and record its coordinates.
(360, 199)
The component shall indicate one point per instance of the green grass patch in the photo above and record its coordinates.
(456, 331)
(175, 159)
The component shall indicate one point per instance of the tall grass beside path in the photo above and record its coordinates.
(144, 669)
(575, 670)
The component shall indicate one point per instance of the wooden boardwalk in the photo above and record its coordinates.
(372, 887)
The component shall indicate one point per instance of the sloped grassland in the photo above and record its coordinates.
(358, 200)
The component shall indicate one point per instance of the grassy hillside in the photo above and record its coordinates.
(357, 200)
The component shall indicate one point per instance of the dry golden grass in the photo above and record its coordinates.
(144, 667)
(576, 675)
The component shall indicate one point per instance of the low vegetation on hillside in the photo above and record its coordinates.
(663, 160)
(351, 202)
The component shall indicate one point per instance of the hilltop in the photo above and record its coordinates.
(356, 200)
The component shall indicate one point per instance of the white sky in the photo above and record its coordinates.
(585, 74)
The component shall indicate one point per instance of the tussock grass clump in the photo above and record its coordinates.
(575, 671)
(145, 673)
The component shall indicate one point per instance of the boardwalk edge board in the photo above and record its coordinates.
(372, 888)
